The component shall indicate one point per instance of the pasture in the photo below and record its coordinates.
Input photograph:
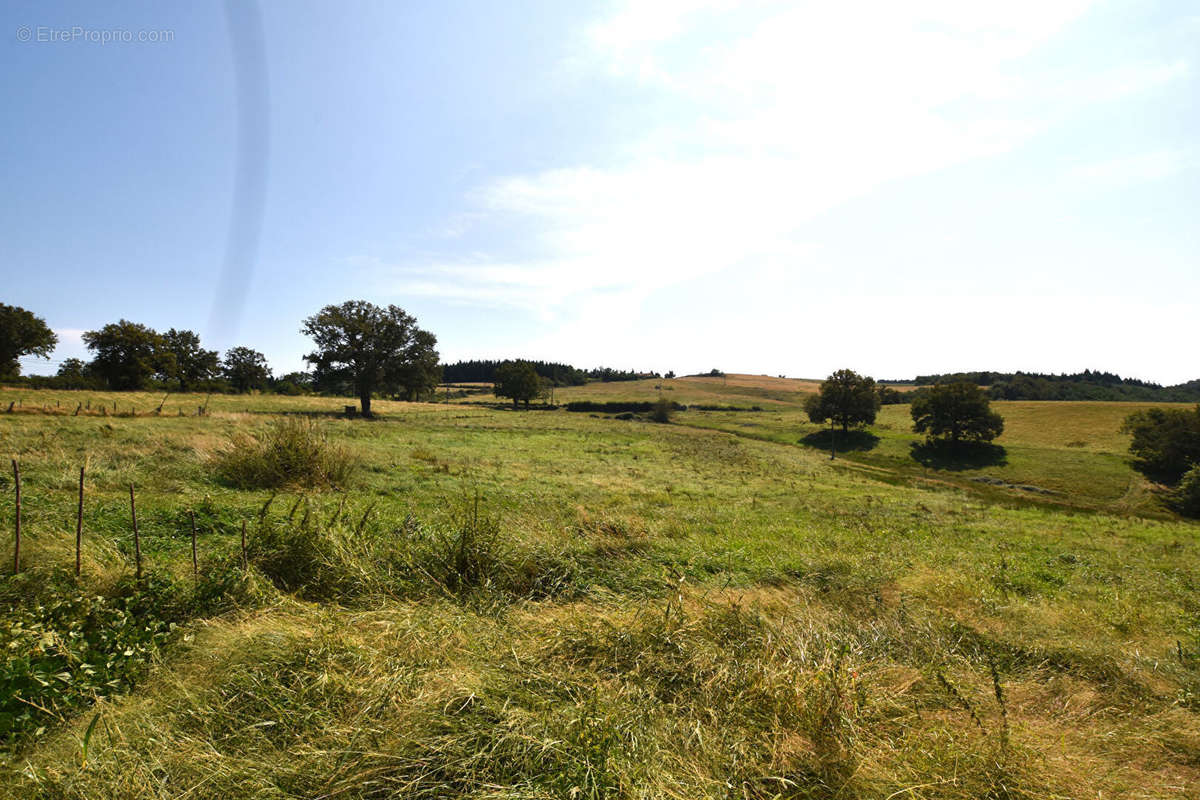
(504, 603)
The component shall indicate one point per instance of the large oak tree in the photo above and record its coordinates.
(846, 397)
(361, 343)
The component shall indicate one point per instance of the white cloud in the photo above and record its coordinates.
(781, 112)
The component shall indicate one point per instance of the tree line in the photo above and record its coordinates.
(1086, 385)
(484, 371)
(361, 350)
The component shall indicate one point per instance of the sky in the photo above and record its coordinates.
(783, 188)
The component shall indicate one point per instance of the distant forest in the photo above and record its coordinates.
(1086, 385)
(558, 374)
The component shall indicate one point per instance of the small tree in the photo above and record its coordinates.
(127, 354)
(246, 369)
(22, 334)
(517, 380)
(956, 412)
(1165, 441)
(73, 368)
(193, 364)
(293, 383)
(75, 373)
(360, 344)
(847, 398)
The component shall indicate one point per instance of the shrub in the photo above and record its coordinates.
(291, 452)
(1187, 496)
(662, 410)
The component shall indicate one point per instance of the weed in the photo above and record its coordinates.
(70, 646)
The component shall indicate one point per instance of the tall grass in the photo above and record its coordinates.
(465, 555)
(291, 452)
(685, 697)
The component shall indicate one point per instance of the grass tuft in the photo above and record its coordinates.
(291, 452)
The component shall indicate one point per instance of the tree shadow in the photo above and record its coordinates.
(844, 441)
(957, 457)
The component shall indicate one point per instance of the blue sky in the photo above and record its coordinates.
(775, 187)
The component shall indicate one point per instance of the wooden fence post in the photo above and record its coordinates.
(17, 539)
(195, 562)
(137, 543)
(79, 528)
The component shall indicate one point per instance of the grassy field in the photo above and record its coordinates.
(741, 390)
(1068, 454)
(551, 604)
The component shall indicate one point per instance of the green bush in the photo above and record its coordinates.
(1165, 442)
(65, 646)
(290, 453)
(662, 410)
(1187, 495)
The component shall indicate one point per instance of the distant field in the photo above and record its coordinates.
(1074, 451)
(744, 390)
(706, 609)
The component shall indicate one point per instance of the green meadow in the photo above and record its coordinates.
(506, 603)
